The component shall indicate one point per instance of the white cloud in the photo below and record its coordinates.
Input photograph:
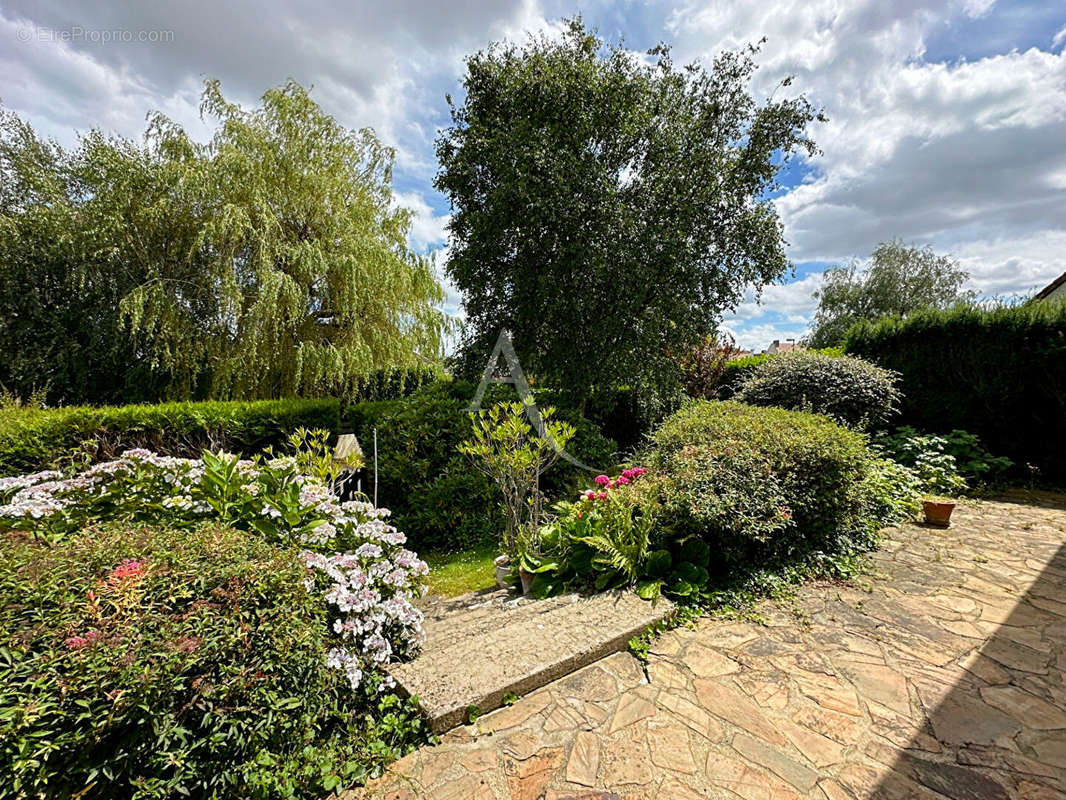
(961, 153)
(793, 300)
(428, 229)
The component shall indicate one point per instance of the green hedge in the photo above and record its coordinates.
(435, 494)
(199, 671)
(763, 484)
(32, 439)
(999, 373)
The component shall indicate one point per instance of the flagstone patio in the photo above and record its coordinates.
(939, 676)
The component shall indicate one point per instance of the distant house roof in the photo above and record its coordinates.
(784, 347)
(1052, 288)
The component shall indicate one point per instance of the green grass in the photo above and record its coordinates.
(453, 574)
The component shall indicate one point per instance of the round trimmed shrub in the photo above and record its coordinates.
(759, 484)
(157, 663)
(850, 390)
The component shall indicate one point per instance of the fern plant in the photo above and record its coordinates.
(620, 535)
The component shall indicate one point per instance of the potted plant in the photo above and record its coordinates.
(938, 510)
(507, 448)
(503, 570)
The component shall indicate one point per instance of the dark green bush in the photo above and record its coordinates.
(998, 373)
(436, 495)
(738, 369)
(199, 670)
(765, 484)
(850, 390)
(33, 439)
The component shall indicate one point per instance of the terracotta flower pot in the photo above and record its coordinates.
(938, 512)
(503, 571)
(527, 580)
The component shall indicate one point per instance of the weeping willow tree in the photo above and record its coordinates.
(294, 275)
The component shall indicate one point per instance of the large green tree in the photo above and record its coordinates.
(898, 280)
(608, 207)
(270, 261)
(60, 284)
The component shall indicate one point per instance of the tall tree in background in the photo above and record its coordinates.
(607, 208)
(897, 281)
(270, 261)
(60, 284)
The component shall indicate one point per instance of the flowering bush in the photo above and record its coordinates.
(355, 558)
(162, 662)
(599, 541)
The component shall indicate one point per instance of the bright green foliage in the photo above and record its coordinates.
(945, 464)
(898, 281)
(508, 450)
(999, 373)
(593, 545)
(850, 390)
(436, 498)
(268, 262)
(34, 439)
(765, 484)
(608, 208)
(198, 671)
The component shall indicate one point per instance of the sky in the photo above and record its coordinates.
(946, 120)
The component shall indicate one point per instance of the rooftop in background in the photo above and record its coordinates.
(787, 346)
(1057, 288)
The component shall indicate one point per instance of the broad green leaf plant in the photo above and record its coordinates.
(506, 447)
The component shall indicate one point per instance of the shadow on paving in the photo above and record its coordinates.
(1001, 730)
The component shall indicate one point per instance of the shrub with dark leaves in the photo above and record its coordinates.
(852, 391)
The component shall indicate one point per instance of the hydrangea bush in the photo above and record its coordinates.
(353, 556)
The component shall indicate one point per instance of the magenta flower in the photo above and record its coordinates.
(128, 569)
(602, 480)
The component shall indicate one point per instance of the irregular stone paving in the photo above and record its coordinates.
(941, 675)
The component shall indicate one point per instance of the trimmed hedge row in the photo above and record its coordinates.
(999, 373)
(435, 494)
(33, 439)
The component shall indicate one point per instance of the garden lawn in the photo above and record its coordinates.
(453, 574)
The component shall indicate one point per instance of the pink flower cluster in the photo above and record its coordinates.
(78, 642)
(606, 483)
(128, 570)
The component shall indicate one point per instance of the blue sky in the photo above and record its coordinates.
(947, 119)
